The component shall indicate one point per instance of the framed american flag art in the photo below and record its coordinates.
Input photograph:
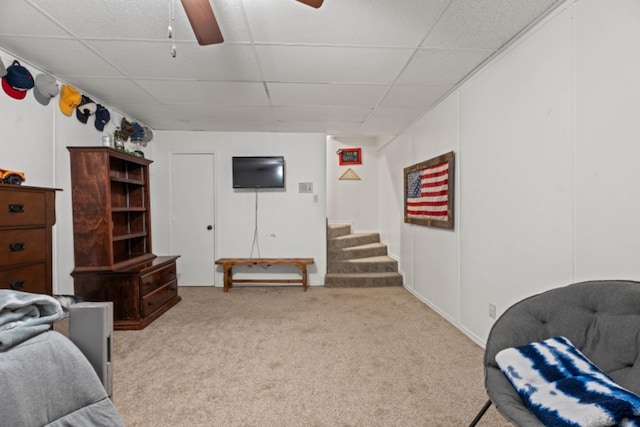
(428, 192)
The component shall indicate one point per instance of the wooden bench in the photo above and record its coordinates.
(229, 263)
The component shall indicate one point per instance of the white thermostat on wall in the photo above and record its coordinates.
(305, 187)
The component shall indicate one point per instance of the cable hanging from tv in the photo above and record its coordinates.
(255, 243)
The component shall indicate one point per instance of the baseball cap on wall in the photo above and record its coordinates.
(86, 108)
(102, 117)
(147, 135)
(17, 81)
(126, 128)
(69, 99)
(137, 132)
(46, 88)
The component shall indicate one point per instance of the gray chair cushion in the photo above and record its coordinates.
(601, 318)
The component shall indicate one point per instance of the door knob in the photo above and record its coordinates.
(209, 227)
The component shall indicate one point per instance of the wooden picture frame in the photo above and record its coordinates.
(429, 192)
(350, 156)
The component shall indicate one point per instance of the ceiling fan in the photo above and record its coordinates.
(204, 23)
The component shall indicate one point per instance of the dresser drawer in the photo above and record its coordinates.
(22, 208)
(20, 246)
(156, 279)
(157, 298)
(27, 279)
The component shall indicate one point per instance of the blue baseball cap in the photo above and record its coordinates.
(102, 117)
(137, 133)
(17, 81)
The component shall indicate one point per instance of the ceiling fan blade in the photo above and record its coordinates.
(203, 21)
(312, 3)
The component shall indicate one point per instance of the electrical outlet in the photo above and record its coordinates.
(492, 311)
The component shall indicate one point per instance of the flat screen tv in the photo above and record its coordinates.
(258, 172)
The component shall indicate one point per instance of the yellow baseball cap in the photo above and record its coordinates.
(70, 98)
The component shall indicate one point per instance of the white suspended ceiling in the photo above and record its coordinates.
(352, 67)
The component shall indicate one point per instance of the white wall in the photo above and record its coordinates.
(607, 135)
(353, 202)
(547, 182)
(34, 140)
(27, 144)
(290, 224)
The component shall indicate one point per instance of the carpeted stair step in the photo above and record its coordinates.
(362, 280)
(354, 239)
(337, 230)
(362, 251)
(378, 264)
(358, 260)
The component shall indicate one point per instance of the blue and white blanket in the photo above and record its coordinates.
(563, 388)
(24, 315)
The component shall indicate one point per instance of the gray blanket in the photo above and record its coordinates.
(47, 381)
(24, 315)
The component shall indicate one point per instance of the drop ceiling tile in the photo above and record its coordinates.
(38, 24)
(110, 91)
(153, 60)
(283, 94)
(441, 66)
(486, 24)
(231, 19)
(315, 114)
(320, 64)
(140, 19)
(300, 126)
(224, 62)
(244, 125)
(59, 57)
(234, 126)
(354, 22)
(388, 120)
(198, 112)
(152, 115)
(344, 128)
(212, 93)
(171, 124)
(414, 96)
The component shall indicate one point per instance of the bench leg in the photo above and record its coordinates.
(227, 277)
(304, 277)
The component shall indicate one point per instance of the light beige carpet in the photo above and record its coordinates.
(278, 356)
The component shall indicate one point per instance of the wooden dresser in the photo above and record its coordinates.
(113, 257)
(27, 215)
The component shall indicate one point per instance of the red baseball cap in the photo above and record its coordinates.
(13, 92)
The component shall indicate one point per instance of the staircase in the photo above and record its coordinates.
(358, 260)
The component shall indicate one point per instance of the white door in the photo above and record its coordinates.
(192, 217)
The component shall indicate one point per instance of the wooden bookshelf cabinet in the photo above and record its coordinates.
(112, 236)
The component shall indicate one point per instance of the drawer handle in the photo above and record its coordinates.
(17, 284)
(150, 303)
(16, 247)
(16, 208)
